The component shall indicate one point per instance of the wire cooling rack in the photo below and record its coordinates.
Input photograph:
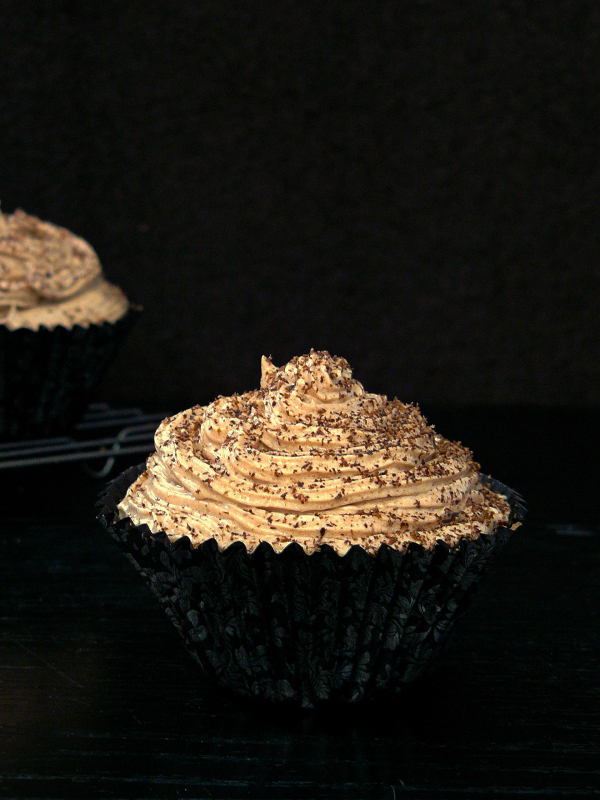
(103, 433)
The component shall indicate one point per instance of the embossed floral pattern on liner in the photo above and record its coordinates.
(321, 595)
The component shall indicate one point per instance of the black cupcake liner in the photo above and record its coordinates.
(47, 376)
(308, 629)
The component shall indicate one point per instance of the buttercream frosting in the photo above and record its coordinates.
(50, 277)
(313, 458)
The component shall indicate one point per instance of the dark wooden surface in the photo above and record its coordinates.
(98, 698)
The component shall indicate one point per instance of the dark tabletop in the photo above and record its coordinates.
(98, 698)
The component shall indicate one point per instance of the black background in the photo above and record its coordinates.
(411, 186)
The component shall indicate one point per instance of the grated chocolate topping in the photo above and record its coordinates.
(311, 457)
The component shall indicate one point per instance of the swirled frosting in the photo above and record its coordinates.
(311, 458)
(50, 277)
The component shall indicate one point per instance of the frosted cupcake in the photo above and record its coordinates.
(61, 322)
(310, 540)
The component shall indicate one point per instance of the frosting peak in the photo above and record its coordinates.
(318, 370)
(311, 457)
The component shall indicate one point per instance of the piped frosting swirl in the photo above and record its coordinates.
(311, 457)
(50, 277)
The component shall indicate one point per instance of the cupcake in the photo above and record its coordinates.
(61, 323)
(312, 542)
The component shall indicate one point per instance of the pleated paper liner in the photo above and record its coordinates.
(47, 376)
(308, 629)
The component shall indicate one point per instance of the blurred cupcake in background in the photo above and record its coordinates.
(61, 323)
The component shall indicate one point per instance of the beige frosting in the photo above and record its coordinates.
(310, 458)
(50, 277)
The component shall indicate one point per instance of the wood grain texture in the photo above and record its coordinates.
(98, 698)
